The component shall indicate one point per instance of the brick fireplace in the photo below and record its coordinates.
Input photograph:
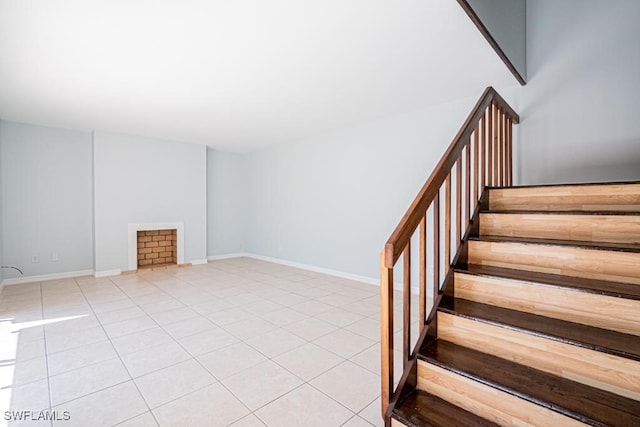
(157, 248)
(155, 245)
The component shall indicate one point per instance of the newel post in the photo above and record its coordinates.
(386, 325)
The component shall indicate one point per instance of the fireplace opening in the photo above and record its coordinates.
(157, 248)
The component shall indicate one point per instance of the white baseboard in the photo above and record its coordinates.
(336, 273)
(107, 273)
(45, 277)
(227, 256)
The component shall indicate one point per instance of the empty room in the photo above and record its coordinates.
(285, 213)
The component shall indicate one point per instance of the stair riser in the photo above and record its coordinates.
(565, 260)
(616, 314)
(487, 402)
(591, 228)
(605, 371)
(610, 197)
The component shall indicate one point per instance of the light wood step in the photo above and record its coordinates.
(508, 393)
(421, 409)
(613, 262)
(607, 305)
(596, 357)
(618, 227)
(576, 197)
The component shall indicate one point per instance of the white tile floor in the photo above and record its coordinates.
(235, 342)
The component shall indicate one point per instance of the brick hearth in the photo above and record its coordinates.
(156, 248)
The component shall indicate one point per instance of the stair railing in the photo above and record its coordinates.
(479, 156)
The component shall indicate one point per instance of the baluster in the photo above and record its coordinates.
(496, 159)
(503, 145)
(436, 245)
(510, 148)
(406, 266)
(458, 202)
(483, 154)
(476, 153)
(447, 224)
(467, 183)
(499, 153)
(490, 147)
(423, 272)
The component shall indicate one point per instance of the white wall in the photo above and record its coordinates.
(46, 199)
(332, 201)
(506, 22)
(140, 180)
(1, 216)
(580, 107)
(226, 203)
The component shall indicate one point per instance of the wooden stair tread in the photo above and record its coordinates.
(422, 409)
(603, 340)
(623, 247)
(581, 402)
(576, 212)
(569, 185)
(601, 287)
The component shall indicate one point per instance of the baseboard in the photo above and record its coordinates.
(227, 256)
(336, 273)
(45, 277)
(328, 271)
(107, 273)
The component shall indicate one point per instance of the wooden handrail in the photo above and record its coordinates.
(411, 219)
(492, 41)
(480, 155)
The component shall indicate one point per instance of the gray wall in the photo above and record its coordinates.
(506, 21)
(140, 180)
(332, 201)
(46, 199)
(1, 204)
(226, 202)
(580, 106)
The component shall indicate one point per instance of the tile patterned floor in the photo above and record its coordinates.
(237, 342)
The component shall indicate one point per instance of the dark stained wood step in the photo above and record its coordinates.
(589, 405)
(602, 340)
(422, 409)
(622, 247)
(600, 287)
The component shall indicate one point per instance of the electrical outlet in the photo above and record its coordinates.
(54, 257)
(34, 258)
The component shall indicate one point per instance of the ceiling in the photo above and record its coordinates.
(236, 75)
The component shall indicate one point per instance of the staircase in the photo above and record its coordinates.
(540, 323)
(534, 290)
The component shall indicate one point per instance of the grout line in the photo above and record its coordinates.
(192, 357)
(116, 351)
(357, 416)
(240, 274)
(46, 353)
